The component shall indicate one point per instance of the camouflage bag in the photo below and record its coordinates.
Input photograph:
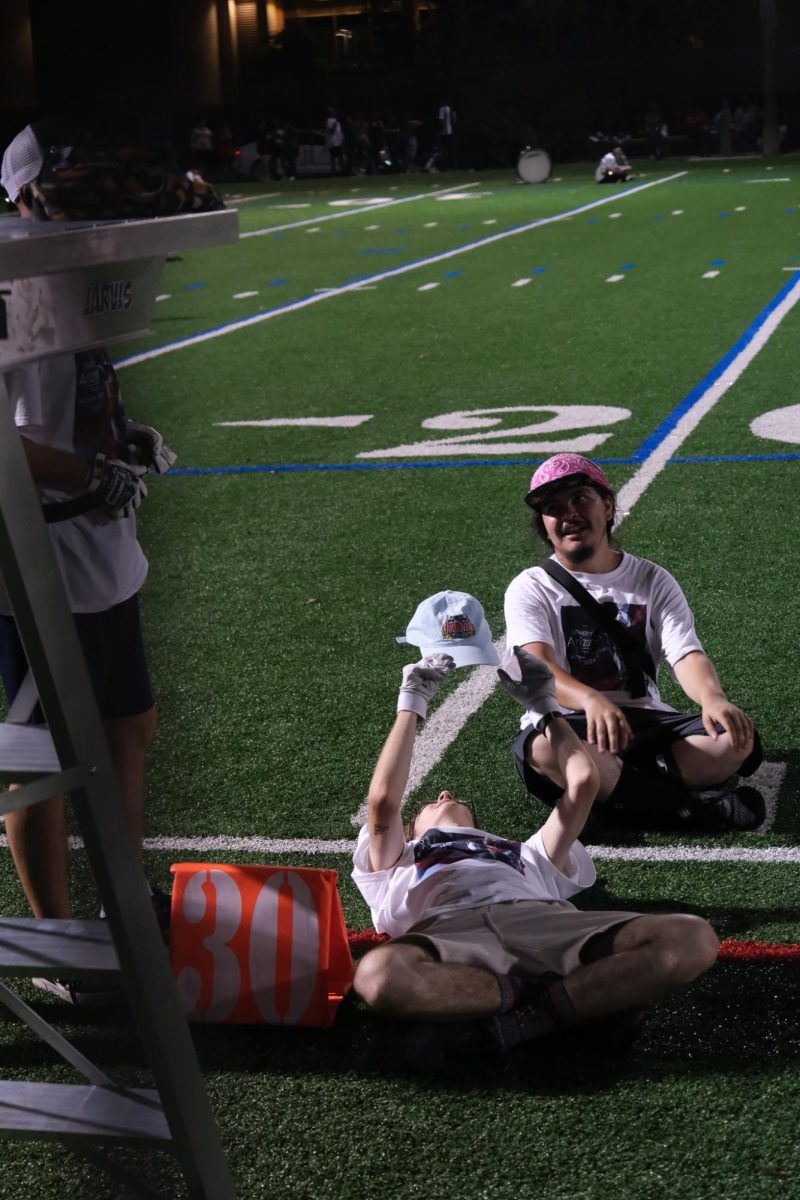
(98, 181)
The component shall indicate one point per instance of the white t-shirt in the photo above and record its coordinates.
(333, 132)
(642, 595)
(98, 556)
(457, 868)
(607, 163)
(447, 119)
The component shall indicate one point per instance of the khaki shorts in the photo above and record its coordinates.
(526, 937)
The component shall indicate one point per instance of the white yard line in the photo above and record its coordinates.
(768, 855)
(635, 488)
(248, 199)
(391, 273)
(350, 422)
(389, 202)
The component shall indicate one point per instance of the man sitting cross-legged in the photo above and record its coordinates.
(485, 943)
(605, 621)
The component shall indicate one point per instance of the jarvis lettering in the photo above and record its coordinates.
(114, 296)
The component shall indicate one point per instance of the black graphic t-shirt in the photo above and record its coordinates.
(639, 593)
(99, 415)
(443, 847)
(593, 657)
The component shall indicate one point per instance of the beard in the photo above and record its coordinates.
(578, 554)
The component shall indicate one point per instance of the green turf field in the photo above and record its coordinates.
(470, 326)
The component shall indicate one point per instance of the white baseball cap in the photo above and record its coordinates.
(452, 623)
(22, 162)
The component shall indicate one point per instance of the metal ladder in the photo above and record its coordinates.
(69, 755)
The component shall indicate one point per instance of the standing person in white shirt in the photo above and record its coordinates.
(659, 768)
(487, 951)
(447, 135)
(334, 140)
(88, 461)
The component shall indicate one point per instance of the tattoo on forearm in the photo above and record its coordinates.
(379, 828)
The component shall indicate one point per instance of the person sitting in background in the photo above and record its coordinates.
(613, 167)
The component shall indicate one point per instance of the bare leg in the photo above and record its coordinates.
(404, 980)
(128, 739)
(636, 963)
(37, 838)
(704, 761)
(542, 758)
(639, 962)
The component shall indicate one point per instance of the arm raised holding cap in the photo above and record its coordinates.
(420, 684)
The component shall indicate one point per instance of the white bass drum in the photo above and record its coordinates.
(534, 166)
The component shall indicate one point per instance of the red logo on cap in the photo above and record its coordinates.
(458, 626)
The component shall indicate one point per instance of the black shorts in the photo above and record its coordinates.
(654, 730)
(114, 652)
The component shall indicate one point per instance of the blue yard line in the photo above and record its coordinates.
(275, 468)
(715, 458)
(294, 468)
(429, 260)
(651, 443)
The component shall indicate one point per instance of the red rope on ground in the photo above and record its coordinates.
(730, 950)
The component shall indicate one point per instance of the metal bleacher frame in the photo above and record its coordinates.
(67, 287)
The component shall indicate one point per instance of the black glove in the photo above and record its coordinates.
(534, 688)
(119, 485)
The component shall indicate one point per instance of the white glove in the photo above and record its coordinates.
(421, 683)
(119, 485)
(529, 681)
(148, 448)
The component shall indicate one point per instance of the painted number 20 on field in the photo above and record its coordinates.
(500, 432)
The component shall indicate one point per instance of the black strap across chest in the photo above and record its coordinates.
(635, 656)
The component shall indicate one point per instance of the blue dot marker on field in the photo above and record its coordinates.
(381, 250)
(657, 217)
(627, 266)
(592, 221)
(537, 270)
(277, 282)
(790, 210)
(724, 214)
(191, 287)
(451, 274)
(462, 228)
(717, 262)
(401, 229)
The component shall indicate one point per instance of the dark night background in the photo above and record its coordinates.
(518, 72)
